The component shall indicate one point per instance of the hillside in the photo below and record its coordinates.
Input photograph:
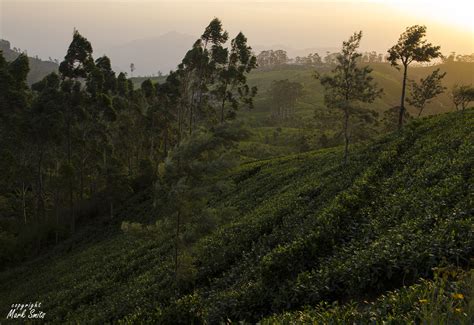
(296, 231)
(38, 68)
(312, 121)
(385, 75)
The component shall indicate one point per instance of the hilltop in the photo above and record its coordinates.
(296, 232)
(314, 126)
(38, 68)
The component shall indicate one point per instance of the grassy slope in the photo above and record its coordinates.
(386, 76)
(268, 142)
(308, 230)
(38, 68)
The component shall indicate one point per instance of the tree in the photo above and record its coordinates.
(132, 68)
(390, 118)
(15, 148)
(349, 84)
(271, 58)
(210, 77)
(411, 47)
(450, 58)
(44, 131)
(231, 77)
(76, 66)
(197, 71)
(189, 177)
(330, 58)
(462, 95)
(427, 89)
(284, 95)
(78, 58)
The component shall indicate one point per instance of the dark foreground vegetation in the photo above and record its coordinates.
(165, 203)
(298, 231)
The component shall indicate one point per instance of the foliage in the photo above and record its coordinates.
(271, 58)
(305, 231)
(349, 84)
(462, 95)
(84, 140)
(411, 47)
(131, 200)
(444, 300)
(427, 89)
(284, 95)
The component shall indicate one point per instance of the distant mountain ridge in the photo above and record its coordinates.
(165, 52)
(150, 55)
(38, 68)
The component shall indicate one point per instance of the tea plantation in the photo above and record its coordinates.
(305, 239)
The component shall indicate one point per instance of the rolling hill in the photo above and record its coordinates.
(311, 122)
(308, 240)
(38, 68)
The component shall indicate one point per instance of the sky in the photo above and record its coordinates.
(44, 27)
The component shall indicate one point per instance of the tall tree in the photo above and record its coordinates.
(15, 148)
(76, 66)
(428, 88)
(349, 84)
(189, 177)
(411, 47)
(231, 76)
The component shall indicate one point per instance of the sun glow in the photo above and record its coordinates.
(457, 13)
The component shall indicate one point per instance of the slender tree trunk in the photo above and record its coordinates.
(191, 116)
(201, 83)
(402, 100)
(181, 108)
(152, 140)
(224, 98)
(176, 249)
(56, 212)
(180, 120)
(165, 142)
(40, 200)
(70, 181)
(104, 159)
(419, 113)
(23, 199)
(346, 135)
(71, 207)
(40, 204)
(222, 110)
(56, 205)
(81, 180)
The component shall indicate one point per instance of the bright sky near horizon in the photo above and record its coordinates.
(44, 27)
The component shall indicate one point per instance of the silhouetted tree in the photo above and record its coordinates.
(231, 77)
(349, 84)
(462, 95)
(411, 47)
(427, 89)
